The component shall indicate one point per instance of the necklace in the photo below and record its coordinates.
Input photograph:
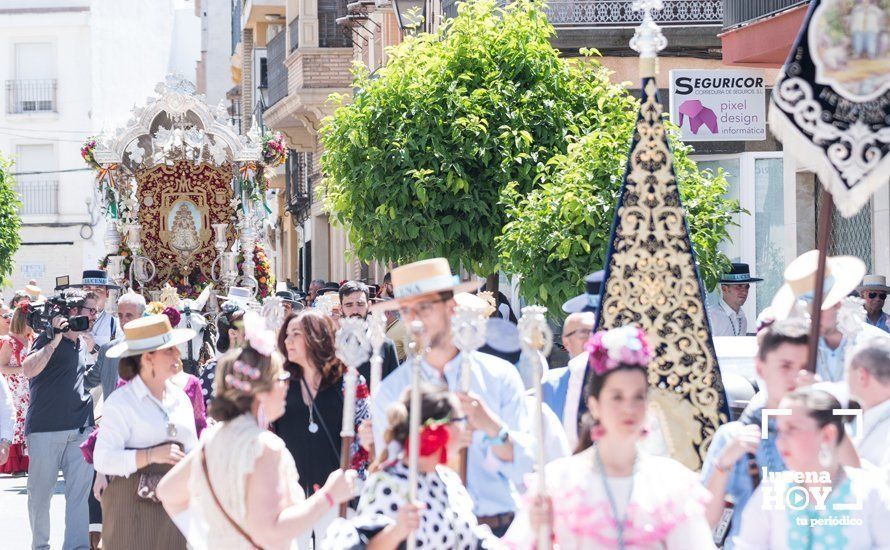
(171, 428)
(619, 521)
(313, 427)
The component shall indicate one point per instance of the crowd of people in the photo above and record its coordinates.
(226, 433)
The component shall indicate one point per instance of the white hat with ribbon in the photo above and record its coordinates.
(150, 333)
(421, 279)
(874, 283)
(842, 275)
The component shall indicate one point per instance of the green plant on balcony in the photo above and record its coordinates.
(10, 222)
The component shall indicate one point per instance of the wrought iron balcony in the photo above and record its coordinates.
(31, 96)
(298, 188)
(619, 13)
(39, 197)
(739, 12)
(276, 70)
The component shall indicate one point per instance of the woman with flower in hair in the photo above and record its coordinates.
(612, 494)
(241, 479)
(384, 518)
(14, 347)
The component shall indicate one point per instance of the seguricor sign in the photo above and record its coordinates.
(719, 105)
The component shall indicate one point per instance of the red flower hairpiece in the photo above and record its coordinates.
(434, 437)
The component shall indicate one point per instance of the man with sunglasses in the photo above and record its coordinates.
(727, 316)
(874, 291)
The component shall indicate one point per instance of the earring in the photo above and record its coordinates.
(825, 457)
(597, 432)
(644, 432)
(261, 419)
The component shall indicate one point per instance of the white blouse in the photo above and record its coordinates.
(134, 419)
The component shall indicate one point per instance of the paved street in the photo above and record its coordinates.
(14, 528)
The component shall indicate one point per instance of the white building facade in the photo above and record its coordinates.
(71, 68)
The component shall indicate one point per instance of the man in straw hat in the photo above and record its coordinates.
(727, 316)
(500, 453)
(874, 291)
(841, 325)
(59, 420)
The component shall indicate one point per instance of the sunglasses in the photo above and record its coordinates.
(7, 315)
(881, 295)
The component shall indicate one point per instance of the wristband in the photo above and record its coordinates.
(325, 494)
(499, 439)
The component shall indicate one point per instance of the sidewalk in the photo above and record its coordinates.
(14, 526)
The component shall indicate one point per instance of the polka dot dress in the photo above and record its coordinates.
(446, 523)
(208, 377)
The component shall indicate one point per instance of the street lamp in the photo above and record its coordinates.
(411, 14)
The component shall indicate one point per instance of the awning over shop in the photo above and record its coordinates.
(763, 42)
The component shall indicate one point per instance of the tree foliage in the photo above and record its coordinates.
(10, 222)
(481, 144)
(416, 165)
(560, 232)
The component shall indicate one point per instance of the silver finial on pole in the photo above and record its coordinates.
(352, 348)
(416, 349)
(648, 39)
(536, 340)
(468, 326)
(377, 337)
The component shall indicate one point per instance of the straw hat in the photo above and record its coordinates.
(873, 283)
(147, 334)
(842, 275)
(238, 295)
(33, 291)
(422, 279)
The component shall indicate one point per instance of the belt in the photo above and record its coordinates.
(498, 520)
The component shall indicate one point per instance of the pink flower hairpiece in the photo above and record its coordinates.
(235, 382)
(620, 346)
(246, 370)
(257, 335)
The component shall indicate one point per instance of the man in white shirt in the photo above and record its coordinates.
(727, 316)
(868, 374)
(106, 327)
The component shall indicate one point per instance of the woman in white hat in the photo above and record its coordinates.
(147, 426)
(242, 479)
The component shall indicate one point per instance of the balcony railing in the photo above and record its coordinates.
(330, 34)
(294, 29)
(275, 69)
(31, 96)
(619, 13)
(39, 197)
(299, 185)
(739, 12)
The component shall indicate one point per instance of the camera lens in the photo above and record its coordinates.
(79, 323)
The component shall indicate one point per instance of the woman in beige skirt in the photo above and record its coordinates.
(241, 481)
(147, 426)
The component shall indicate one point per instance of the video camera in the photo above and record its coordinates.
(41, 314)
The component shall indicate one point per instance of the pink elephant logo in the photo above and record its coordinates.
(698, 114)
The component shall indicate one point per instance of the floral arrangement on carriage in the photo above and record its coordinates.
(263, 270)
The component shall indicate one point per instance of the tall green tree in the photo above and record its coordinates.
(10, 222)
(481, 144)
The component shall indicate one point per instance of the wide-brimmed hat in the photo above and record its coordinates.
(590, 300)
(237, 294)
(873, 283)
(502, 340)
(147, 334)
(842, 275)
(32, 291)
(328, 288)
(96, 277)
(421, 279)
(740, 274)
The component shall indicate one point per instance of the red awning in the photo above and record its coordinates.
(763, 42)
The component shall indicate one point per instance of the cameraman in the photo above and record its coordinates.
(59, 419)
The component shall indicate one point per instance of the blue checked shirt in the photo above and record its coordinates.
(491, 482)
(739, 485)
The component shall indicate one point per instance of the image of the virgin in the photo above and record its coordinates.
(184, 226)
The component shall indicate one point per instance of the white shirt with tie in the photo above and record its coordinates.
(726, 322)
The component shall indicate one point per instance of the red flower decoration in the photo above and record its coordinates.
(361, 391)
(173, 315)
(433, 439)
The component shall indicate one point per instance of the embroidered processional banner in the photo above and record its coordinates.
(651, 281)
(179, 203)
(831, 104)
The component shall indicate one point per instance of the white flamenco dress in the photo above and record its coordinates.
(232, 449)
(663, 503)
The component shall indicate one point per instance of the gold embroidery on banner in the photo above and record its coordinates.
(653, 284)
(179, 203)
